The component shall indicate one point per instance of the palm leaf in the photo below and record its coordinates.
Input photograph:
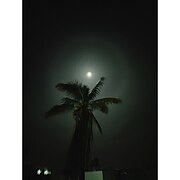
(85, 92)
(96, 123)
(72, 89)
(57, 109)
(102, 104)
(96, 90)
(107, 101)
(70, 101)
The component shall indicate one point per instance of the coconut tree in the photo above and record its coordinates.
(81, 101)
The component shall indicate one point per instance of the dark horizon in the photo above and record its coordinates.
(64, 40)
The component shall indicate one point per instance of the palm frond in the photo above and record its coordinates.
(70, 101)
(85, 92)
(58, 109)
(96, 123)
(96, 90)
(107, 101)
(72, 89)
(102, 104)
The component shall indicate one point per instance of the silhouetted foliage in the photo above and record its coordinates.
(81, 102)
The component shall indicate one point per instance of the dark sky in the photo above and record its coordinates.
(64, 40)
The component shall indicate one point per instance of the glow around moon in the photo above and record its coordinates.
(89, 74)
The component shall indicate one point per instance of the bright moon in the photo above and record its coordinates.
(89, 74)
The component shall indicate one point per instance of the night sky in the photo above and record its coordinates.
(62, 41)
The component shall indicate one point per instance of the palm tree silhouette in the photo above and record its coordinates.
(81, 101)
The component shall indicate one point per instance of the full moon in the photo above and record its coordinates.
(89, 74)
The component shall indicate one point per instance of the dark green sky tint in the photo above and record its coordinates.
(61, 43)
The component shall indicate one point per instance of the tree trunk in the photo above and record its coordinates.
(79, 151)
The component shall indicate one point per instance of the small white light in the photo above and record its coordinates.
(46, 172)
(39, 172)
(89, 74)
